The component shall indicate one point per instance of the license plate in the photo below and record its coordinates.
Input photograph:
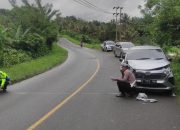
(149, 81)
(153, 81)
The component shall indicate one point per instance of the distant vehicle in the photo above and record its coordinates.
(107, 45)
(121, 48)
(151, 68)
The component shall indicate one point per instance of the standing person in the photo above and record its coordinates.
(4, 80)
(125, 82)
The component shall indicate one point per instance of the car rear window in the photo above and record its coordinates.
(139, 54)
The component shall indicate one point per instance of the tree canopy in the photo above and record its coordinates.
(27, 31)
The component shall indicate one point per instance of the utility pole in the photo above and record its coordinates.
(120, 14)
(116, 14)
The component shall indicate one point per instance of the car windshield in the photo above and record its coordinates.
(110, 43)
(144, 54)
(127, 45)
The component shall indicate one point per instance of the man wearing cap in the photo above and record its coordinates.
(125, 82)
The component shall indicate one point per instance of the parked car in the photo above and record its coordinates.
(121, 48)
(107, 45)
(151, 68)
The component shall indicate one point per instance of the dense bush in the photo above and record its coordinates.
(31, 32)
(11, 57)
(3, 37)
(35, 45)
(86, 39)
(50, 33)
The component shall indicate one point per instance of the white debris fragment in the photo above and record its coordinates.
(144, 97)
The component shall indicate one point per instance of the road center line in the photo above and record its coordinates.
(46, 116)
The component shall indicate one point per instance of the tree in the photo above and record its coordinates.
(166, 20)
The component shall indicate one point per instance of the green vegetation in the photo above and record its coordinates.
(28, 69)
(26, 32)
(176, 70)
(158, 26)
(175, 65)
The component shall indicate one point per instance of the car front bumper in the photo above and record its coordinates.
(157, 84)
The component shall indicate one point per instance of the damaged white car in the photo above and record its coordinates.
(151, 68)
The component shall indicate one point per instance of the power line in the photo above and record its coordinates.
(81, 3)
(97, 7)
(91, 6)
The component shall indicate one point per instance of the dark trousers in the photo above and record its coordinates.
(124, 87)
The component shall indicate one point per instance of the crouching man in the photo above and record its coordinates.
(125, 82)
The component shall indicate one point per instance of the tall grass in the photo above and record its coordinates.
(28, 69)
(176, 72)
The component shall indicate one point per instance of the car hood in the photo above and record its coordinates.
(148, 64)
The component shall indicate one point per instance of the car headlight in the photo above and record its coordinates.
(167, 71)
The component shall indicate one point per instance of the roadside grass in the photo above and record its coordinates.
(28, 69)
(176, 72)
(174, 53)
(172, 50)
(77, 42)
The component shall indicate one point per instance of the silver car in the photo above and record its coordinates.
(107, 45)
(151, 68)
(121, 48)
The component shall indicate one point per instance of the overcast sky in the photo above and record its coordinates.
(70, 7)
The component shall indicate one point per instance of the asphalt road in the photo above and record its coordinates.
(79, 95)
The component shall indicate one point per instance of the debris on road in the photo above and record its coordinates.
(144, 97)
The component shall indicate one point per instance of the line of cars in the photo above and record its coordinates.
(149, 64)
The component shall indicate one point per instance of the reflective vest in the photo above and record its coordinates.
(3, 76)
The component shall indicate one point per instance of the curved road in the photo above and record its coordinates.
(79, 95)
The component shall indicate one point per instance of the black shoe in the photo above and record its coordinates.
(120, 95)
